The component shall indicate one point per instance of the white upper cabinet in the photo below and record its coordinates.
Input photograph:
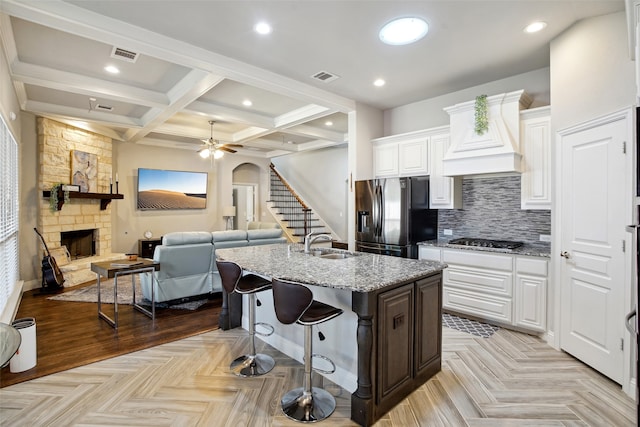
(404, 154)
(385, 159)
(444, 192)
(535, 138)
(413, 157)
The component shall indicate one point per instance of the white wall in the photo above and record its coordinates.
(129, 223)
(320, 177)
(591, 72)
(429, 112)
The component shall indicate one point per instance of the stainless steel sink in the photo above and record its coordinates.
(336, 256)
(326, 253)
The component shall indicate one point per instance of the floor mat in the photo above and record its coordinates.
(469, 326)
(125, 295)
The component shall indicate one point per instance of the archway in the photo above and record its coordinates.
(246, 190)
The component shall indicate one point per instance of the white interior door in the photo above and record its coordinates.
(594, 211)
(244, 199)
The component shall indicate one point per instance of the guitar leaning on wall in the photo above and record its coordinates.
(52, 278)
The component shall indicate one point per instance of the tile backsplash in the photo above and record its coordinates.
(491, 210)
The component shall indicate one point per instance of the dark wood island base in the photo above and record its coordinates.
(399, 344)
(397, 324)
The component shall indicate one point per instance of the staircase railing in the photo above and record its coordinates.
(293, 203)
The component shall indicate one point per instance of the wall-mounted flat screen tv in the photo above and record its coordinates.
(167, 189)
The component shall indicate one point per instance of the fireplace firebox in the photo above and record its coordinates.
(79, 243)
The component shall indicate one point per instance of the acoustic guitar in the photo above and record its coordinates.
(52, 278)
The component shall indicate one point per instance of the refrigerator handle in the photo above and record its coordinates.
(380, 211)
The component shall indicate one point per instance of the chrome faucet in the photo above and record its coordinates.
(310, 238)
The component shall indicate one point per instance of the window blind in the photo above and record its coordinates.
(9, 214)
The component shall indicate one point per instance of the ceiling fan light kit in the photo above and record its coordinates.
(213, 148)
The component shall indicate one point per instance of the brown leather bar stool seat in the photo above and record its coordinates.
(294, 303)
(252, 364)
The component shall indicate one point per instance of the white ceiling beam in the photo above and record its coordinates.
(301, 115)
(191, 87)
(228, 114)
(43, 108)
(185, 131)
(315, 145)
(83, 85)
(317, 133)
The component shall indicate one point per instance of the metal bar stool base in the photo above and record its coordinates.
(302, 407)
(252, 365)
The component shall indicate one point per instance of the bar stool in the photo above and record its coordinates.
(294, 303)
(252, 364)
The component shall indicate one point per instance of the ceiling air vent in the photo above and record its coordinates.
(104, 107)
(325, 76)
(123, 54)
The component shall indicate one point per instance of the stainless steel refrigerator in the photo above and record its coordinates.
(392, 215)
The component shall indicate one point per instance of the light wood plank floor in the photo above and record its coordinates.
(510, 379)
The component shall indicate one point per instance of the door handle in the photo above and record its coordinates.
(565, 254)
(628, 324)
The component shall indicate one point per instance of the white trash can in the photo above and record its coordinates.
(25, 357)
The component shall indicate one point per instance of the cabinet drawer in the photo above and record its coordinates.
(533, 266)
(476, 259)
(429, 253)
(476, 304)
(480, 280)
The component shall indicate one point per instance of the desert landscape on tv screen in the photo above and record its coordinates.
(164, 189)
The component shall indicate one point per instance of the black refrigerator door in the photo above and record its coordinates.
(423, 222)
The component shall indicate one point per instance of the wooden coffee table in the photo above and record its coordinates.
(116, 268)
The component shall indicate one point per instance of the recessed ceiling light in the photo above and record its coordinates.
(111, 69)
(262, 28)
(534, 27)
(328, 123)
(247, 103)
(379, 82)
(403, 31)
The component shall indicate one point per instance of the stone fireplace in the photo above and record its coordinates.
(56, 141)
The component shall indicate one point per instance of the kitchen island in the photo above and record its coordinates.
(386, 344)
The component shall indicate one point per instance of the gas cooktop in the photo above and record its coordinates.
(485, 243)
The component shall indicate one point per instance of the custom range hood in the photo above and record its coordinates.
(497, 150)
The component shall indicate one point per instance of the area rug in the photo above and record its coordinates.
(469, 326)
(125, 295)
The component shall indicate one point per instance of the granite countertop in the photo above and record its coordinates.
(527, 250)
(363, 272)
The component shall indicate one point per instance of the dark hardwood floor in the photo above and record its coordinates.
(70, 334)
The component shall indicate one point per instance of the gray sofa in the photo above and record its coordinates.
(187, 261)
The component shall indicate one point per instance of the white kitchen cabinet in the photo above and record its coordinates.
(479, 284)
(444, 192)
(531, 293)
(406, 154)
(385, 160)
(535, 128)
(508, 289)
(413, 157)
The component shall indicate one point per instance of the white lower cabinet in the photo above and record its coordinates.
(508, 289)
(531, 293)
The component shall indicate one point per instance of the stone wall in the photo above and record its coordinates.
(55, 143)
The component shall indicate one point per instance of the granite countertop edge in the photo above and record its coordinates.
(364, 272)
(524, 250)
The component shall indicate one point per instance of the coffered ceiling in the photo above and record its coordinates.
(200, 60)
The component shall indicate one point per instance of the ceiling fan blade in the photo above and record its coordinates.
(233, 145)
(223, 148)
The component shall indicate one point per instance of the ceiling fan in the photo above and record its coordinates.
(214, 148)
